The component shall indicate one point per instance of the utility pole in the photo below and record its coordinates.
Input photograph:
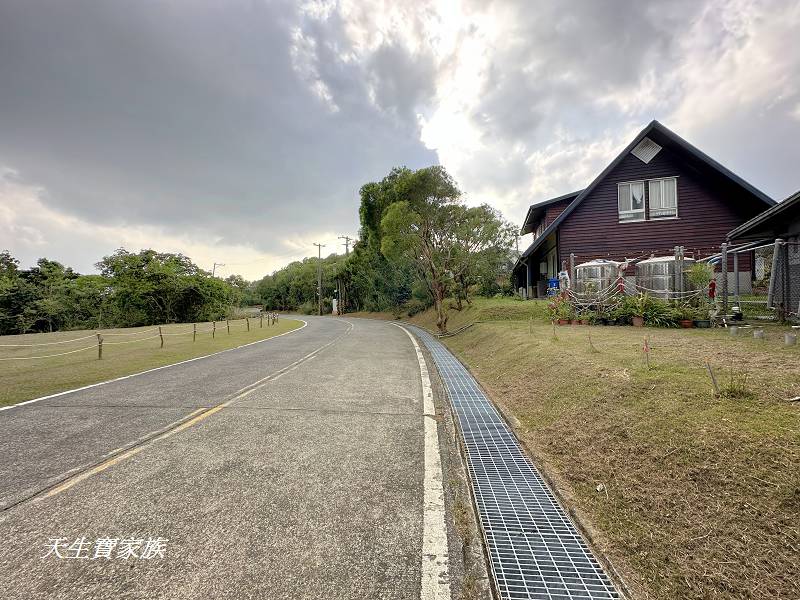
(347, 239)
(214, 268)
(340, 285)
(319, 276)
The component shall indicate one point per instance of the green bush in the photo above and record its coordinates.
(415, 306)
(700, 275)
(307, 308)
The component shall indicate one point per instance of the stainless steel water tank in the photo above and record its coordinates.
(659, 276)
(595, 276)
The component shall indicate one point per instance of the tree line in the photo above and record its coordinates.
(131, 289)
(420, 246)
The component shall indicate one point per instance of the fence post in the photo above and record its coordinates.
(572, 270)
(773, 273)
(99, 347)
(787, 282)
(683, 270)
(161, 335)
(248, 323)
(213, 329)
(228, 323)
(678, 271)
(724, 267)
(736, 278)
(194, 332)
(261, 326)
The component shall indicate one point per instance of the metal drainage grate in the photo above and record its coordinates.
(534, 548)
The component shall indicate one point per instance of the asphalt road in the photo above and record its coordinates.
(288, 469)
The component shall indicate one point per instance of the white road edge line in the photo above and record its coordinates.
(435, 559)
(183, 362)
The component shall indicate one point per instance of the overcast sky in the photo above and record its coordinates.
(240, 131)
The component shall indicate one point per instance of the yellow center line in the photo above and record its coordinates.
(203, 414)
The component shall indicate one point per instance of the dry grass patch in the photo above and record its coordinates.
(700, 494)
(22, 380)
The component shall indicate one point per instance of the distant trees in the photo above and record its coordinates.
(294, 287)
(132, 289)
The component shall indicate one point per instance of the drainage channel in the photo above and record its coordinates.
(534, 549)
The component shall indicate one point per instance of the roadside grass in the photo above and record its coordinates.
(484, 309)
(22, 380)
(699, 494)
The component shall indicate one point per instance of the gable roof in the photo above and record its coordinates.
(536, 211)
(668, 139)
(772, 221)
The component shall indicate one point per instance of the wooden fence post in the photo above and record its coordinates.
(248, 323)
(261, 326)
(99, 347)
(213, 329)
(228, 323)
(161, 335)
(194, 332)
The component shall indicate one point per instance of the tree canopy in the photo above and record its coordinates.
(143, 288)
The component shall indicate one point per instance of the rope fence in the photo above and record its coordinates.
(159, 333)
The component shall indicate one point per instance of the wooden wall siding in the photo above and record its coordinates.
(707, 211)
(553, 211)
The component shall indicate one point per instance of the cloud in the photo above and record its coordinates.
(39, 230)
(194, 118)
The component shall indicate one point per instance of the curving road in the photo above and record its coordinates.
(293, 468)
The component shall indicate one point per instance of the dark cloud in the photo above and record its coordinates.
(192, 115)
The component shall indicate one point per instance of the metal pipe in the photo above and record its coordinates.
(724, 270)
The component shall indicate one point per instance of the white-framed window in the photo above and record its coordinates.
(631, 201)
(663, 198)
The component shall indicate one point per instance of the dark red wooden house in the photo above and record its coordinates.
(660, 192)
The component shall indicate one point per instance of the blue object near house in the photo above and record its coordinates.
(552, 286)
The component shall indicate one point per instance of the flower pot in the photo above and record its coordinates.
(574, 321)
(563, 321)
(637, 321)
(702, 323)
(687, 323)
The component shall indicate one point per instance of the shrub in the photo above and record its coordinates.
(415, 306)
(700, 275)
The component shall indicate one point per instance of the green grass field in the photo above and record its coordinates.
(125, 351)
(699, 494)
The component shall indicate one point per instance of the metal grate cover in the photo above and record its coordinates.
(534, 549)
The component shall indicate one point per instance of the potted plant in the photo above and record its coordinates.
(639, 309)
(702, 315)
(685, 315)
(560, 310)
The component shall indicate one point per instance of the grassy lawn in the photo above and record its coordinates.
(26, 379)
(699, 496)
